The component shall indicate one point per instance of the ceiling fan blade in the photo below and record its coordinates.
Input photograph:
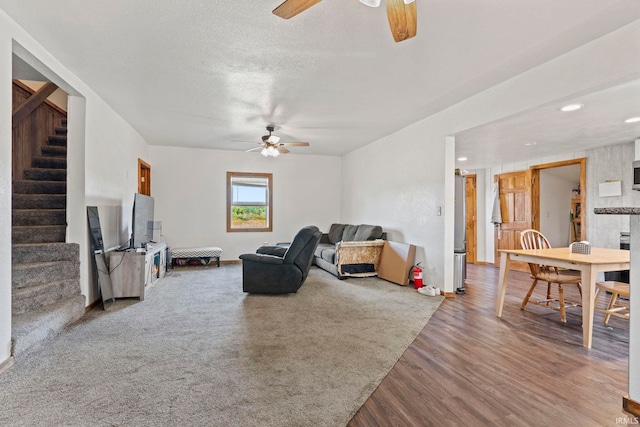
(254, 149)
(295, 144)
(282, 149)
(403, 19)
(290, 8)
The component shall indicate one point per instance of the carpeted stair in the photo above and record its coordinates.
(45, 270)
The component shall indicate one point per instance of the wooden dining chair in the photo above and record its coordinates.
(615, 307)
(533, 239)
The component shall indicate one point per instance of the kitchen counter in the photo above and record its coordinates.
(617, 211)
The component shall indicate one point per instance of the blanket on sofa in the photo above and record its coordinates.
(325, 254)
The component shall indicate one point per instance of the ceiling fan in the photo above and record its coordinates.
(271, 145)
(402, 14)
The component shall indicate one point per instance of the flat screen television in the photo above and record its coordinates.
(142, 221)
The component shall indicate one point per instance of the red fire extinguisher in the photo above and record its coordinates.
(417, 276)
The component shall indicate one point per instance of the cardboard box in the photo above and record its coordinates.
(396, 261)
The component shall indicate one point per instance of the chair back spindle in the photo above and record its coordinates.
(533, 239)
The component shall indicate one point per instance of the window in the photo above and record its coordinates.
(249, 199)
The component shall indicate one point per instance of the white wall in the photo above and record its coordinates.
(609, 163)
(112, 153)
(111, 179)
(189, 190)
(5, 191)
(102, 160)
(482, 216)
(398, 181)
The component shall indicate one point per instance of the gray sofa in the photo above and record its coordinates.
(325, 253)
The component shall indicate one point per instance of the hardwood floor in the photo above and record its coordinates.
(469, 368)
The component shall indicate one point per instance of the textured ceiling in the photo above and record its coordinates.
(547, 131)
(203, 73)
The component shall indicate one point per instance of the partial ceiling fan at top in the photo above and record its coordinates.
(402, 14)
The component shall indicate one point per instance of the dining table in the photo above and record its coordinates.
(597, 261)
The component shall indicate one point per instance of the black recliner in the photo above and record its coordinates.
(280, 270)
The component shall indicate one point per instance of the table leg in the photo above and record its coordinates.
(505, 262)
(588, 304)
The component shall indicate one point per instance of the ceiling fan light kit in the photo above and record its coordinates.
(270, 151)
(271, 145)
(402, 14)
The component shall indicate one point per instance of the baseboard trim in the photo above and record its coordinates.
(4, 366)
(92, 306)
(631, 406)
(231, 261)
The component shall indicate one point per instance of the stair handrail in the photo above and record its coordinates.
(23, 110)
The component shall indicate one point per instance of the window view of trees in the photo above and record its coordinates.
(249, 201)
(248, 216)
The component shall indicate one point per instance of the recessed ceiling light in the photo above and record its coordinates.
(462, 159)
(572, 107)
(632, 120)
(528, 144)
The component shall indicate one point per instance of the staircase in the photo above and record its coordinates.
(45, 270)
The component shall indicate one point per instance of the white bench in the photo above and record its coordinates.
(204, 254)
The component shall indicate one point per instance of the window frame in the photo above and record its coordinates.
(269, 177)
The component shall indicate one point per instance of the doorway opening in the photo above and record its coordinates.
(144, 177)
(470, 217)
(558, 200)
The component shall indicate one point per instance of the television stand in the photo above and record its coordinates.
(133, 273)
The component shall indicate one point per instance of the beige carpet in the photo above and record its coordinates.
(200, 352)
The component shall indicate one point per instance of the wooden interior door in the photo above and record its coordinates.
(144, 177)
(470, 206)
(515, 207)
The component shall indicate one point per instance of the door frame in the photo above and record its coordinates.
(535, 190)
(144, 177)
